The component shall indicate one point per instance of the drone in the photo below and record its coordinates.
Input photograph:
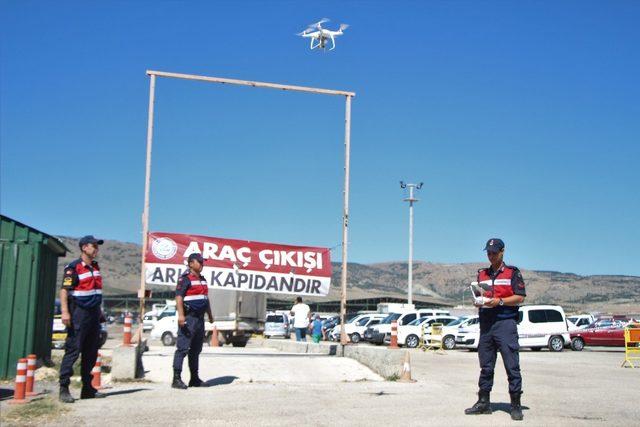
(319, 36)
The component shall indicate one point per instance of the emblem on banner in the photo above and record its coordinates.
(164, 248)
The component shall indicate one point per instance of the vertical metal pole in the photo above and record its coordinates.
(345, 220)
(410, 299)
(147, 185)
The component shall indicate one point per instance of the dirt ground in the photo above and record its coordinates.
(258, 386)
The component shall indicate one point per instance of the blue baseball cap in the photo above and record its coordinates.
(196, 256)
(494, 245)
(87, 240)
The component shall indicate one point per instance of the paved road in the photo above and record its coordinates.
(255, 386)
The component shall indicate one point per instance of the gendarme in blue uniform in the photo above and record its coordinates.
(194, 291)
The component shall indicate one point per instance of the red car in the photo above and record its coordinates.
(603, 332)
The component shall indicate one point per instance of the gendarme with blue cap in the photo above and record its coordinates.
(196, 256)
(494, 245)
(88, 240)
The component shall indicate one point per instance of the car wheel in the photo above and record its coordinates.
(168, 339)
(266, 336)
(449, 343)
(412, 341)
(355, 338)
(577, 344)
(556, 343)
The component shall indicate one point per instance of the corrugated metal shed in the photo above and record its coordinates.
(28, 269)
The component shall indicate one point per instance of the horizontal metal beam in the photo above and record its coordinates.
(250, 83)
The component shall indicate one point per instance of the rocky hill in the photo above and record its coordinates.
(120, 263)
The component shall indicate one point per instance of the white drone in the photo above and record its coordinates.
(319, 35)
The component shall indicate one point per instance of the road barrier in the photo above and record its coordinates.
(21, 379)
(31, 369)
(435, 339)
(394, 334)
(632, 345)
(126, 337)
(96, 373)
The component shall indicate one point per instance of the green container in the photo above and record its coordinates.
(28, 282)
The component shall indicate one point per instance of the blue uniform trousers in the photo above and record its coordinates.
(83, 336)
(499, 335)
(190, 338)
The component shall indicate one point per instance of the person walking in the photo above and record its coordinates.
(316, 329)
(301, 315)
(498, 328)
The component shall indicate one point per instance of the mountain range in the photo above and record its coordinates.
(436, 282)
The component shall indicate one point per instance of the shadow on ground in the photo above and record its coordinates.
(219, 381)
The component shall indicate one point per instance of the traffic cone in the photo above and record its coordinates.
(394, 334)
(96, 373)
(21, 379)
(31, 369)
(214, 337)
(126, 338)
(405, 376)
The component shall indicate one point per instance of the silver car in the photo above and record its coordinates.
(277, 325)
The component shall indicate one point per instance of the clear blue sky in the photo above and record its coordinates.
(521, 118)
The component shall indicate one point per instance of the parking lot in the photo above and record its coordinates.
(260, 386)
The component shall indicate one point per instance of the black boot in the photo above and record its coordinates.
(177, 381)
(516, 408)
(195, 381)
(65, 396)
(89, 392)
(482, 406)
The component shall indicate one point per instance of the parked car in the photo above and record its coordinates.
(356, 328)
(166, 330)
(277, 325)
(603, 332)
(409, 334)
(450, 330)
(159, 312)
(380, 333)
(539, 326)
(580, 321)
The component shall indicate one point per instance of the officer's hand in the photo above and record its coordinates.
(66, 319)
(180, 321)
(477, 305)
(492, 302)
(210, 318)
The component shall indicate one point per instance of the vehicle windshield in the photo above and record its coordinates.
(275, 318)
(362, 321)
(417, 321)
(390, 318)
(457, 321)
(353, 319)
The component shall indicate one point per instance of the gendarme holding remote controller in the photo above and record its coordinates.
(498, 328)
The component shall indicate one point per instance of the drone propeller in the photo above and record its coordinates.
(343, 27)
(320, 22)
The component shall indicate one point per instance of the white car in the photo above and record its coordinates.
(580, 321)
(539, 326)
(357, 326)
(410, 333)
(166, 330)
(450, 330)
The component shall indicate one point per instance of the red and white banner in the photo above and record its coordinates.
(240, 265)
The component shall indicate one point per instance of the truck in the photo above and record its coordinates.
(236, 316)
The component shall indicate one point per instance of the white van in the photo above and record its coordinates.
(539, 326)
(356, 328)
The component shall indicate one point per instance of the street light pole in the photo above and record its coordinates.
(411, 199)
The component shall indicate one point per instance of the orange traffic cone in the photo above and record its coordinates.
(21, 379)
(405, 376)
(214, 337)
(394, 334)
(96, 374)
(31, 369)
(126, 338)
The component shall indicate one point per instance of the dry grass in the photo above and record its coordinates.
(37, 412)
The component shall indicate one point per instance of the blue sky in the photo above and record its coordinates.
(521, 118)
